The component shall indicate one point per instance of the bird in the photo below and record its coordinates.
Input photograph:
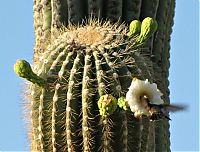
(159, 111)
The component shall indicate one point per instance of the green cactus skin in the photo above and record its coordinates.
(149, 8)
(131, 10)
(83, 65)
(47, 15)
(161, 63)
(113, 9)
(59, 13)
(162, 11)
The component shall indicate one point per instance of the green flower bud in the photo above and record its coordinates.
(122, 103)
(148, 28)
(23, 69)
(107, 105)
(134, 28)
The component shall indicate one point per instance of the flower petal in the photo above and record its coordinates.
(140, 88)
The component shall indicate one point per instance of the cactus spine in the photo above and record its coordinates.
(63, 119)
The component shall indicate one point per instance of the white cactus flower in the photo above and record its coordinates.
(137, 91)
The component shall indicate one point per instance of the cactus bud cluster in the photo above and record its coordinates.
(143, 31)
(107, 105)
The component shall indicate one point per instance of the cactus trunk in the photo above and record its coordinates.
(82, 63)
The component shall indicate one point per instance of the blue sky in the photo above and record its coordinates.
(16, 42)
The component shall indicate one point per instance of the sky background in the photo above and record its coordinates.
(17, 41)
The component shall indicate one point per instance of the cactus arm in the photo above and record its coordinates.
(131, 10)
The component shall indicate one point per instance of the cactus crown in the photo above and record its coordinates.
(95, 33)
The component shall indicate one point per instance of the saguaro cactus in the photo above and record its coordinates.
(80, 69)
(76, 84)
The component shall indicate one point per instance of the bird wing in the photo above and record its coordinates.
(176, 107)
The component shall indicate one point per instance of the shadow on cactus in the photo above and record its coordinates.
(78, 83)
